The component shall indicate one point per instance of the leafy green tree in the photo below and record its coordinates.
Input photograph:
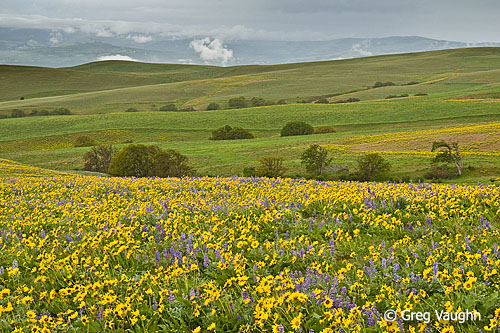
(271, 167)
(448, 153)
(170, 163)
(296, 128)
(134, 160)
(372, 167)
(213, 106)
(315, 158)
(98, 158)
(238, 103)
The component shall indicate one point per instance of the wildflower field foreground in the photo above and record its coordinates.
(91, 254)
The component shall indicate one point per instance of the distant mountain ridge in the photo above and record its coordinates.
(42, 48)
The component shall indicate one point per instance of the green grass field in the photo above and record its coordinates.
(462, 87)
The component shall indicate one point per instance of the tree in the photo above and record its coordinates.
(315, 158)
(170, 163)
(296, 128)
(98, 158)
(238, 103)
(448, 153)
(134, 160)
(322, 100)
(372, 166)
(271, 167)
(213, 106)
(258, 101)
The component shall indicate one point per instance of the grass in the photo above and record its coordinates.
(462, 88)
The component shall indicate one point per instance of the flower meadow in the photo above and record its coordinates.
(92, 254)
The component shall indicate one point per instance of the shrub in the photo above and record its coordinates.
(439, 172)
(131, 110)
(133, 160)
(324, 130)
(315, 158)
(249, 172)
(98, 158)
(33, 113)
(322, 101)
(411, 83)
(170, 163)
(372, 167)
(213, 106)
(188, 109)
(270, 167)
(43, 113)
(229, 133)
(148, 161)
(17, 113)
(258, 101)
(383, 84)
(169, 107)
(238, 103)
(60, 112)
(349, 100)
(21, 98)
(296, 128)
(281, 102)
(420, 94)
(84, 141)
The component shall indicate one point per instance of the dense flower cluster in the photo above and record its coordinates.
(243, 254)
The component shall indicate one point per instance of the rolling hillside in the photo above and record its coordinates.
(459, 100)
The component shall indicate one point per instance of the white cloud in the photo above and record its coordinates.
(140, 38)
(212, 50)
(359, 50)
(116, 57)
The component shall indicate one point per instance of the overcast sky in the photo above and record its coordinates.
(458, 20)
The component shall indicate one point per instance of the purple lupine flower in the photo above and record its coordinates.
(157, 257)
(2, 270)
(42, 234)
(155, 303)
(14, 264)
(171, 296)
(206, 261)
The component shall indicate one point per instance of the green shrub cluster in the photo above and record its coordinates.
(149, 161)
(297, 128)
(84, 141)
(231, 133)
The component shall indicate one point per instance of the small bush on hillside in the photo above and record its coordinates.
(169, 107)
(213, 106)
(349, 100)
(249, 172)
(238, 103)
(296, 128)
(396, 96)
(439, 172)
(324, 130)
(411, 83)
(372, 167)
(60, 112)
(281, 102)
(17, 113)
(383, 84)
(270, 167)
(322, 101)
(188, 109)
(231, 133)
(420, 94)
(149, 161)
(98, 158)
(131, 110)
(258, 101)
(43, 113)
(84, 141)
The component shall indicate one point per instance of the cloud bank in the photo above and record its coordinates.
(116, 57)
(211, 51)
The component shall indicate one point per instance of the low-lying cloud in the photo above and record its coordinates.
(116, 57)
(211, 51)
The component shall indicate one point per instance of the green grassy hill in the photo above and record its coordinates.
(462, 104)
